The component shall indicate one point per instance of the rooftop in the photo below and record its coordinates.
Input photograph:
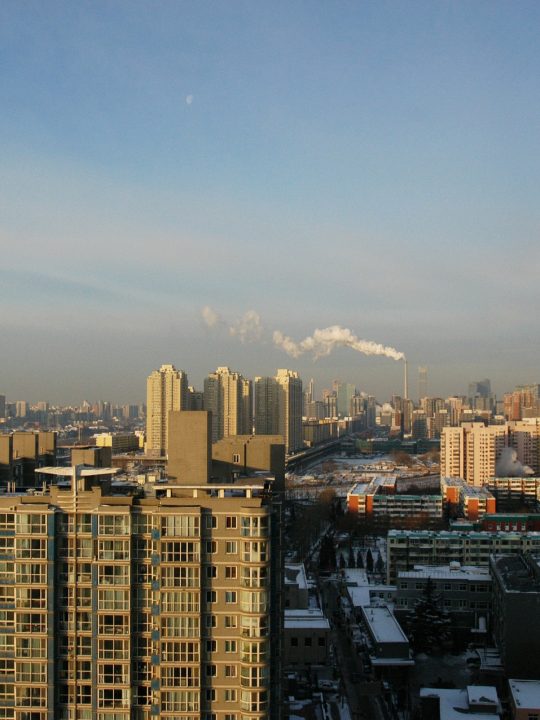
(453, 704)
(525, 694)
(454, 571)
(383, 625)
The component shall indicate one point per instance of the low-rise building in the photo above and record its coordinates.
(379, 499)
(479, 701)
(524, 699)
(307, 637)
(468, 501)
(516, 620)
(408, 548)
(465, 594)
(390, 653)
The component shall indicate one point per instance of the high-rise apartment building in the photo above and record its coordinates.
(166, 390)
(2, 406)
(525, 439)
(471, 451)
(290, 409)
(134, 604)
(266, 406)
(278, 408)
(345, 393)
(228, 396)
(422, 383)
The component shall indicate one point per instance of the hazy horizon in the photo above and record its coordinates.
(369, 165)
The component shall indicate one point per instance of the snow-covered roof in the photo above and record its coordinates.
(295, 574)
(356, 576)
(453, 704)
(446, 572)
(525, 694)
(383, 625)
(312, 618)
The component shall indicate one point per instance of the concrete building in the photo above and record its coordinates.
(409, 548)
(525, 439)
(465, 594)
(278, 408)
(480, 701)
(2, 406)
(21, 453)
(228, 396)
(512, 492)
(379, 500)
(524, 699)
(166, 390)
(306, 638)
(134, 604)
(516, 621)
(249, 454)
(471, 451)
(466, 501)
(119, 442)
(390, 650)
(344, 395)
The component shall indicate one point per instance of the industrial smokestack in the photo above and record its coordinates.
(405, 381)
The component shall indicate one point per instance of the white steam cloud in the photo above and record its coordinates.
(322, 342)
(509, 466)
(210, 317)
(247, 328)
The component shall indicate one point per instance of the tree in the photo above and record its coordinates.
(369, 561)
(342, 563)
(379, 565)
(327, 554)
(359, 560)
(351, 561)
(428, 624)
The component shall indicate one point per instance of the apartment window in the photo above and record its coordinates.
(113, 599)
(113, 550)
(180, 626)
(7, 521)
(113, 697)
(113, 624)
(178, 576)
(180, 601)
(113, 574)
(180, 701)
(210, 596)
(231, 547)
(180, 525)
(255, 552)
(113, 673)
(307, 642)
(142, 524)
(230, 671)
(236, 458)
(31, 524)
(180, 551)
(230, 621)
(210, 547)
(231, 522)
(109, 649)
(210, 695)
(113, 524)
(211, 572)
(180, 652)
(211, 621)
(321, 642)
(230, 646)
(230, 696)
(230, 597)
(294, 642)
(211, 646)
(231, 572)
(175, 676)
(210, 522)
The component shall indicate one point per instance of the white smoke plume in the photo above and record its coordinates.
(509, 466)
(322, 342)
(248, 328)
(210, 317)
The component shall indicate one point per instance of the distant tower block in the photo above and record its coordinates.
(422, 382)
(405, 381)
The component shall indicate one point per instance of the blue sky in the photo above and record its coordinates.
(368, 164)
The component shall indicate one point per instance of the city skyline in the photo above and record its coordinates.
(372, 166)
